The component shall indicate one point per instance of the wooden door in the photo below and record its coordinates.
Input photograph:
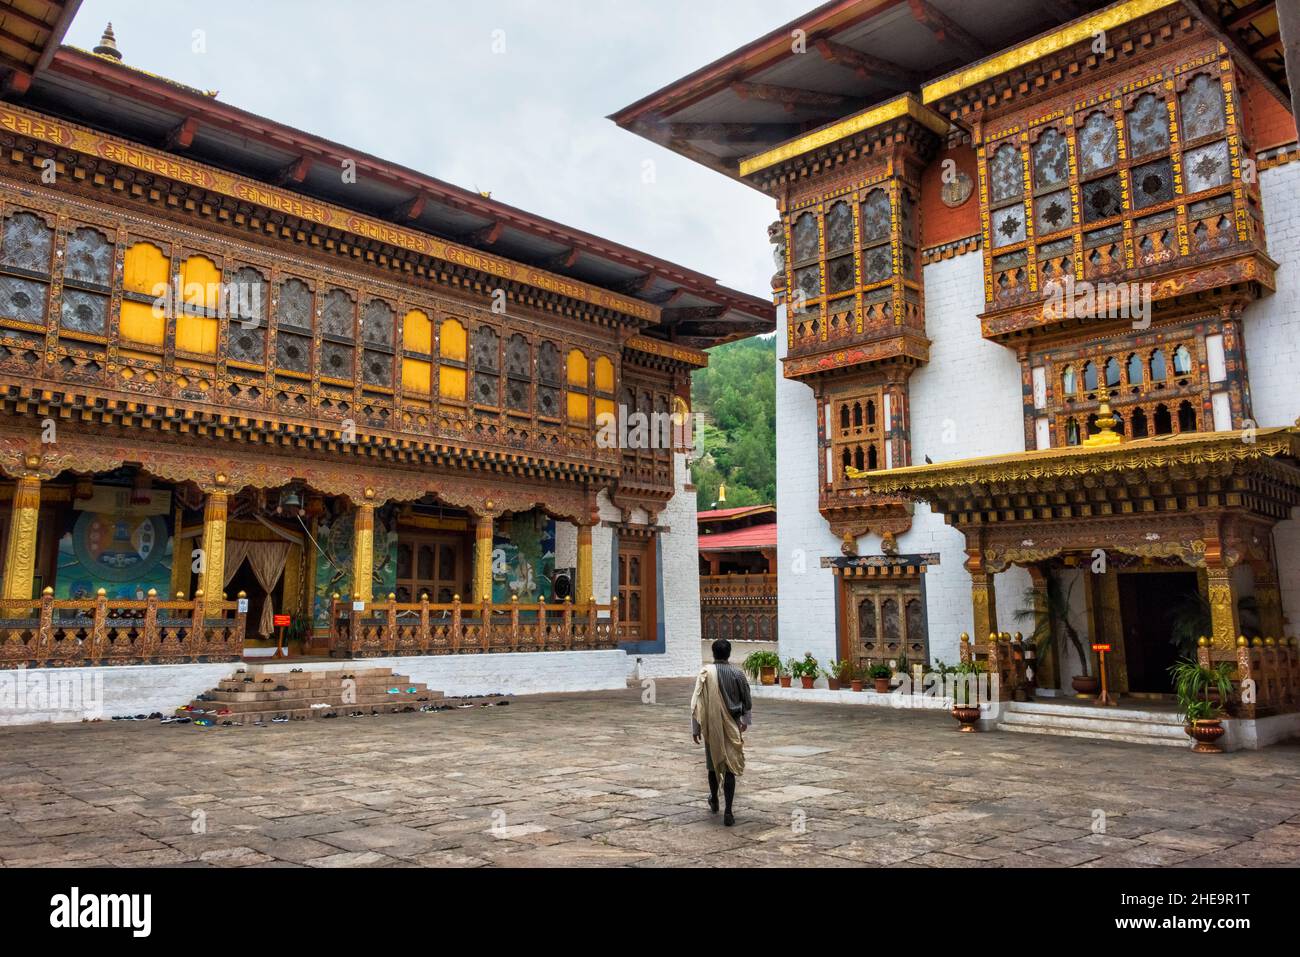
(636, 587)
(433, 565)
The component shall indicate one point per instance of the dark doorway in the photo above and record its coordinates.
(1146, 601)
(246, 582)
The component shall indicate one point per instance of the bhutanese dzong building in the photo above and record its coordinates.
(369, 402)
(951, 449)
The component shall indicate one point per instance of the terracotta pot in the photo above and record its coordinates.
(882, 685)
(1086, 686)
(767, 676)
(785, 681)
(968, 716)
(1206, 732)
(806, 681)
(833, 684)
(856, 684)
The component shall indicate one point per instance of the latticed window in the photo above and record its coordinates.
(453, 366)
(877, 226)
(889, 623)
(378, 326)
(246, 337)
(144, 279)
(338, 335)
(486, 355)
(604, 388)
(87, 281)
(805, 255)
(417, 354)
(25, 268)
(197, 324)
(858, 438)
(549, 380)
(839, 248)
(519, 374)
(293, 326)
(577, 377)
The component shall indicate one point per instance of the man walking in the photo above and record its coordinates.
(720, 713)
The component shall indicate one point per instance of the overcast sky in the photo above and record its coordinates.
(417, 83)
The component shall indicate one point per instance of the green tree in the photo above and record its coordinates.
(736, 394)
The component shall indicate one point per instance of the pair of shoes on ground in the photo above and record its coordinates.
(728, 819)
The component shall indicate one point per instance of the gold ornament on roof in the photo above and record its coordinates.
(1106, 422)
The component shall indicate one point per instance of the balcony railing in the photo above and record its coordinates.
(48, 633)
(738, 607)
(461, 628)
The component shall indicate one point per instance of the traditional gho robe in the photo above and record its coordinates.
(720, 710)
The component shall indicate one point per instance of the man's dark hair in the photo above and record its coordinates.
(721, 650)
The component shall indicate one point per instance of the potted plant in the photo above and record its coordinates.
(844, 672)
(1055, 616)
(784, 670)
(859, 676)
(880, 674)
(832, 675)
(1195, 684)
(762, 666)
(807, 671)
(965, 695)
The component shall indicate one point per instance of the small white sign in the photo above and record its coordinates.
(243, 606)
(358, 606)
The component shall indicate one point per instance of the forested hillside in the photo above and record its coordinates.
(737, 396)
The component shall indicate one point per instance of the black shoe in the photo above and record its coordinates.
(729, 819)
(713, 805)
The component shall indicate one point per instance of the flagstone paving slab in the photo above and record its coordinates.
(606, 780)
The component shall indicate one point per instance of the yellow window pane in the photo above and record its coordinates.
(451, 383)
(144, 267)
(196, 334)
(605, 411)
(604, 375)
(200, 282)
(577, 408)
(417, 332)
(453, 340)
(141, 323)
(577, 369)
(415, 376)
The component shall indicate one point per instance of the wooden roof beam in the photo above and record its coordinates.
(17, 82)
(866, 66)
(787, 96)
(295, 172)
(565, 260)
(1242, 17)
(412, 208)
(181, 136)
(947, 30)
(487, 235)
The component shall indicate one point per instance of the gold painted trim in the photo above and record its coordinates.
(905, 105)
(82, 140)
(668, 350)
(1066, 36)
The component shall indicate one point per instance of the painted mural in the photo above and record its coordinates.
(334, 559)
(119, 545)
(523, 558)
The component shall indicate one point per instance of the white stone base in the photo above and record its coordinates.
(61, 695)
(1241, 735)
(867, 698)
(542, 672)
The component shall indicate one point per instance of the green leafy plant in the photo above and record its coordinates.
(807, 668)
(1190, 618)
(1056, 616)
(880, 671)
(758, 660)
(1193, 684)
(842, 670)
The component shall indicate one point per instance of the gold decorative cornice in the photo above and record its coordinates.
(1074, 461)
(905, 105)
(668, 350)
(82, 140)
(1067, 36)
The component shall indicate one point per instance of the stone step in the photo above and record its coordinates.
(238, 718)
(1111, 724)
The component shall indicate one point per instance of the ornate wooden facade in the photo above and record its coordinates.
(274, 357)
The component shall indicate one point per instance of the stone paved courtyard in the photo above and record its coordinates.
(604, 779)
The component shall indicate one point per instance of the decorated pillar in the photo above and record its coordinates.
(363, 549)
(1225, 624)
(1268, 600)
(212, 578)
(585, 590)
(983, 597)
(483, 559)
(20, 554)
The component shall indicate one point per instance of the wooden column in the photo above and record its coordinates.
(213, 578)
(585, 589)
(983, 597)
(20, 553)
(1046, 665)
(1225, 624)
(1268, 600)
(482, 560)
(363, 550)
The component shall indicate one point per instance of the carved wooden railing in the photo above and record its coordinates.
(45, 632)
(1269, 667)
(738, 607)
(463, 628)
(1005, 658)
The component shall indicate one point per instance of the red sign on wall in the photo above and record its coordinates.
(281, 621)
(1101, 647)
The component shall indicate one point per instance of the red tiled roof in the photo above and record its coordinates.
(755, 536)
